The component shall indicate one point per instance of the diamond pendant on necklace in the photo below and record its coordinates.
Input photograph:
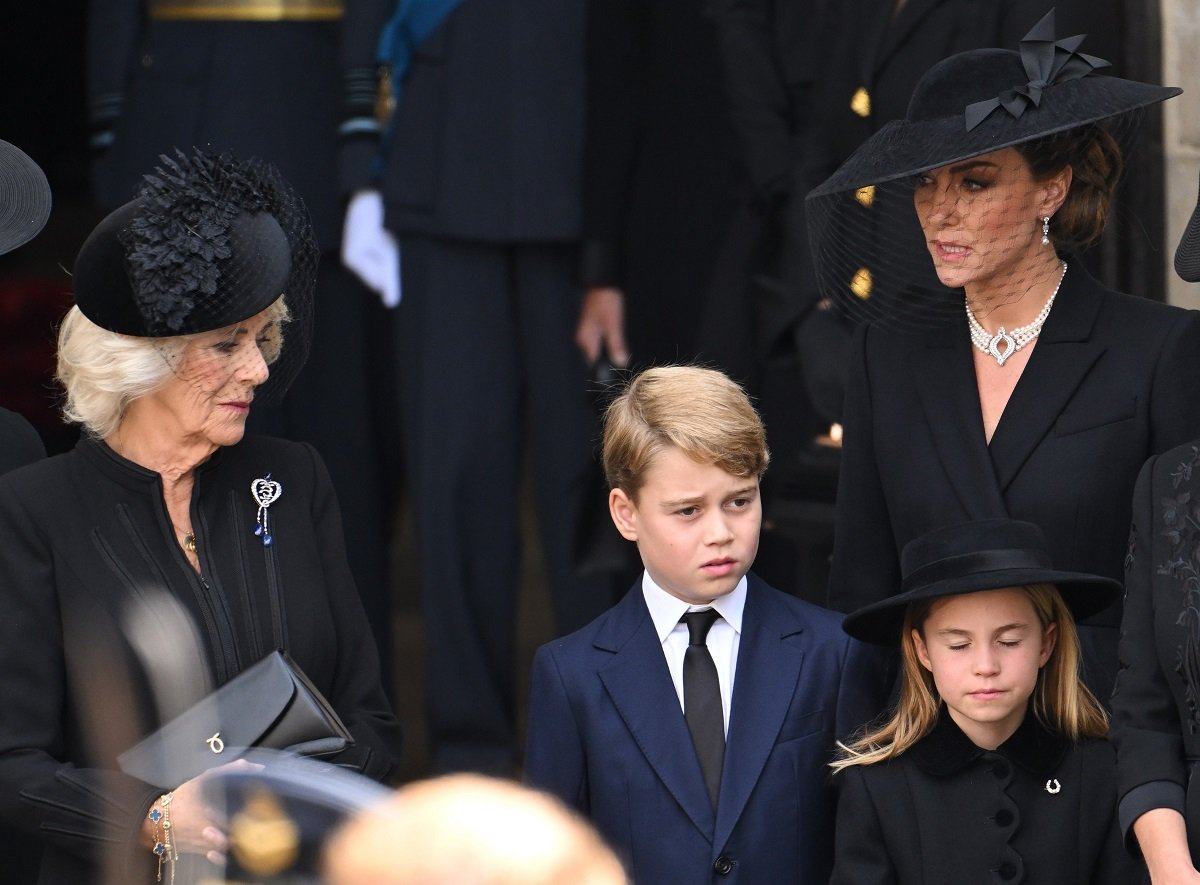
(1018, 337)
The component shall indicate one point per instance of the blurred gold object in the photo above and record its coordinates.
(861, 284)
(865, 195)
(246, 10)
(860, 102)
(385, 98)
(263, 838)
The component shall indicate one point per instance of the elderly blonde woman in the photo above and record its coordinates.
(168, 552)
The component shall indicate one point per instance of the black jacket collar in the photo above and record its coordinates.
(946, 750)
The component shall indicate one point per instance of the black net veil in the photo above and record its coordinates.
(968, 192)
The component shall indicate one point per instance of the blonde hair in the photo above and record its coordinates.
(1060, 700)
(469, 828)
(699, 411)
(102, 372)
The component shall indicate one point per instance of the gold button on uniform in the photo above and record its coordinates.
(860, 102)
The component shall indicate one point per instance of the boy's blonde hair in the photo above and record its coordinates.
(1060, 700)
(699, 411)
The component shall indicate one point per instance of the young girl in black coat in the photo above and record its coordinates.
(992, 767)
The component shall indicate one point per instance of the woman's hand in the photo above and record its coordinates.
(1162, 836)
(196, 828)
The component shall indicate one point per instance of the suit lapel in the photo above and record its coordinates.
(1062, 358)
(944, 375)
(770, 656)
(639, 684)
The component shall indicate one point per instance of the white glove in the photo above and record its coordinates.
(369, 249)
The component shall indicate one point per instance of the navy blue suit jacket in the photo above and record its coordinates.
(607, 735)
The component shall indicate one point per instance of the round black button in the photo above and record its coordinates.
(1007, 870)
(1000, 769)
(1004, 817)
(723, 866)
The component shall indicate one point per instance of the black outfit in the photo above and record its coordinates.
(273, 90)
(1156, 706)
(481, 185)
(86, 547)
(19, 445)
(661, 176)
(1111, 381)
(19, 442)
(1038, 809)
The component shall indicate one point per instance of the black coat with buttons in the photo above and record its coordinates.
(1036, 810)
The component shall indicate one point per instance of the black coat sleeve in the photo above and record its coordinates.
(1145, 729)
(860, 850)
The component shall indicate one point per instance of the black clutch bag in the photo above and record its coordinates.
(271, 705)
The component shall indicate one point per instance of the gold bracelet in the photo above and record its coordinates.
(170, 850)
(160, 847)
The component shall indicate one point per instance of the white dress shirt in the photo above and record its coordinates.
(724, 636)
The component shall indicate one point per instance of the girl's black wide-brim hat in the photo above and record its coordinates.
(983, 100)
(24, 198)
(209, 241)
(969, 557)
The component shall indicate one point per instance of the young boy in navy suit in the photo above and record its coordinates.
(700, 756)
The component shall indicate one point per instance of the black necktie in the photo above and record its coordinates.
(702, 700)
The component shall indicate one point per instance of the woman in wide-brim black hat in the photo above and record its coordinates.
(991, 715)
(170, 551)
(993, 375)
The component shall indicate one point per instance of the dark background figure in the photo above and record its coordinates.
(24, 207)
(262, 79)
(481, 187)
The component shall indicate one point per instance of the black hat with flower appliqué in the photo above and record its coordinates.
(870, 254)
(208, 242)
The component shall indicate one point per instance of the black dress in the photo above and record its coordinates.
(1156, 707)
(1038, 809)
(92, 654)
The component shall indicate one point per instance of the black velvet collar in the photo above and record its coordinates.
(946, 750)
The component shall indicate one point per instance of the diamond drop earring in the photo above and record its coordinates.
(1046, 231)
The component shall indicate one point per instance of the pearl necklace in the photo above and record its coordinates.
(986, 342)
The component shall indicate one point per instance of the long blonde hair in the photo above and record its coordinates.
(1060, 700)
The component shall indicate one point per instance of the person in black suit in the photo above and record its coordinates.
(262, 78)
(1069, 386)
(1156, 718)
(480, 185)
(168, 552)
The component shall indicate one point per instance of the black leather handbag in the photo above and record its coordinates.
(271, 705)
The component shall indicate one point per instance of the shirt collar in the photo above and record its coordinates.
(666, 610)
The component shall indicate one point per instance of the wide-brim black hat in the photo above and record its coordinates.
(969, 557)
(870, 253)
(24, 198)
(1187, 254)
(984, 100)
(208, 242)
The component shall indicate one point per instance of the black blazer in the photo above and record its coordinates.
(947, 811)
(269, 89)
(1111, 381)
(487, 138)
(1156, 705)
(86, 552)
